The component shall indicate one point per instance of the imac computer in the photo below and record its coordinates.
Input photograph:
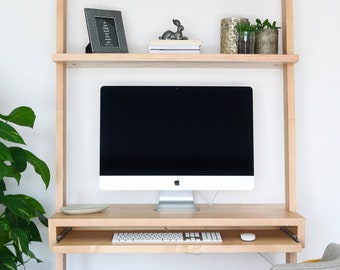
(176, 139)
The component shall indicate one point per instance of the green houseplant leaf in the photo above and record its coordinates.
(19, 159)
(3, 170)
(8, 133)
(260, 26)
(18, 206)
(7, 259)
(22, 116)
(40, 167)
(5, 153)
(18, 211)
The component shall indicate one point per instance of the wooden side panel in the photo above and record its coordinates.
(61, 26)
(287, 27)
(60, 136)
(289, 106)
(61, 119)
(60, 262)
(291, 257)
(290, 142)
(61, 106)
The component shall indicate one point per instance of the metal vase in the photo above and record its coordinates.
(266, 41)
(229, 35)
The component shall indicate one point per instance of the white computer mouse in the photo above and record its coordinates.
(248, 237)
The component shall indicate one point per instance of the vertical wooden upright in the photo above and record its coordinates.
(61, 119)
(289, 113)
(289, 106)
(61, 106)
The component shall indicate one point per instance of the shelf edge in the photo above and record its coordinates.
(135, 59)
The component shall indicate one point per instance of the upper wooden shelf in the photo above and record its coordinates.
(174, 60)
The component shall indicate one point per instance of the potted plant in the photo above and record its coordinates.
(246, 37)
(18, 211)
(267, 37)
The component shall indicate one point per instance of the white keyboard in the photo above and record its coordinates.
(167, 237)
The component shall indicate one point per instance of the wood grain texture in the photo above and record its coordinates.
(100, 242)
(175, 60)
(92, 232)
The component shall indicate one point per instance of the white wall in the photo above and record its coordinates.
(28, 77)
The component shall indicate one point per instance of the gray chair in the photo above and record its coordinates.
(330, 260)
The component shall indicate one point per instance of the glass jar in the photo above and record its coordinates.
(246, 42)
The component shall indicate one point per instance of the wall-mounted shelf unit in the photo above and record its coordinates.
(92, 233)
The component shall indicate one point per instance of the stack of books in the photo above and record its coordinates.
(190, 46)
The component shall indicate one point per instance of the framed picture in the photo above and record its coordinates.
(106, 31)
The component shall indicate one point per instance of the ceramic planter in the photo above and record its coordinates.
(266, 41)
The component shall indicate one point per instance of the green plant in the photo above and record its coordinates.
(265, 25)
(245, 27)
(18, 211)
